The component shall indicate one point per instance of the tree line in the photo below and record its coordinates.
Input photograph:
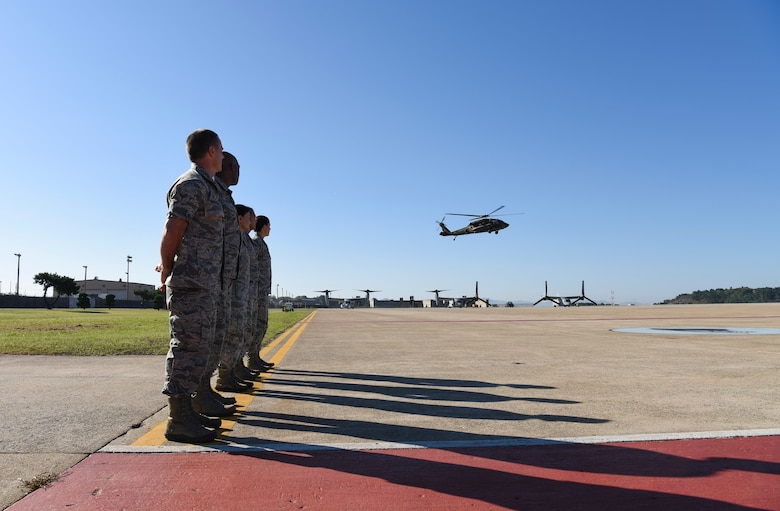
(62, 285)
(731, 295)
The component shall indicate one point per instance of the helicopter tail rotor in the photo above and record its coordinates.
(444, 230)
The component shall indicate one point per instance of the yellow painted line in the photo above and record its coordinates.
(156, 435)
(287, 333)
(242, 403)
(281, 352)
(275, 343)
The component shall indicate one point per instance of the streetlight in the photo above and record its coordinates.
(18, 262)
(85, 279)
(127, 284)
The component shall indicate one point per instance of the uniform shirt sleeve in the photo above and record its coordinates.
(184, 199)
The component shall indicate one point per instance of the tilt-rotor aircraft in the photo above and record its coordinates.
(327, 295)
(437, 291)
(565, 301)
(481, 223)
(368, 293)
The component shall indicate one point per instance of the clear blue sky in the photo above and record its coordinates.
(641, 139)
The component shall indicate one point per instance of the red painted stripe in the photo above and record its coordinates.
(719, 475)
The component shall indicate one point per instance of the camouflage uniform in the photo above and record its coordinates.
(254, 275)
(233, 349)
(194, 279)
(263, 257)
(230, 265)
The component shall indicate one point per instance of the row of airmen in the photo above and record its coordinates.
(217, 280)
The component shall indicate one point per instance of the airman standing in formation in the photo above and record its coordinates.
(191, 272)
(262, 230)
(206, 400)
(230, 378)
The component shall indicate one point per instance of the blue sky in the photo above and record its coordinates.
(639, 139)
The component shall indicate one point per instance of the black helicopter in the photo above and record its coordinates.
(481, 223)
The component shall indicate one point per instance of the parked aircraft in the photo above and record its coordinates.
(564, 301)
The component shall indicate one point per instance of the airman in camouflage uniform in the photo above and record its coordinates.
(190, 270)
(235, 342)
(263, 255)
(207, 401)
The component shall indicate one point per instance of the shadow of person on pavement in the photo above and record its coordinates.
(503, 470)
(483, 475)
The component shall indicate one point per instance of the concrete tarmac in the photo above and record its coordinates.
(377, 380)
(58, 410)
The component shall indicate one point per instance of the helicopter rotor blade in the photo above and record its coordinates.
(475, 216)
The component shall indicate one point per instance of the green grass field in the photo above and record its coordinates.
(101, 332)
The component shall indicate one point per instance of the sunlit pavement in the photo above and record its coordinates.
(521, 408)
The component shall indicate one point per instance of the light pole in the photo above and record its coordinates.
(18, 263)
(127, 284)
(85, 279)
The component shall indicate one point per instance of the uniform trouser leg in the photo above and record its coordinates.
(222, 327)
(192, 320)
(236, 331)
(207, 401)
(231, 352)
(247, 373)
(251, 324)
(256, 342)
(261, 325)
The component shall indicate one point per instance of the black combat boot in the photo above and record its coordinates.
(225, 400)
(242, 372)
(183, 426)
(255, 363)
(227, 382)
(205, 390)
(208, 405)
(209, 422)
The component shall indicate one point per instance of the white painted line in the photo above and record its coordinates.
(455, 444)
(699, 330)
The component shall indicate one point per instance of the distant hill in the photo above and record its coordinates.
(731, 295)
